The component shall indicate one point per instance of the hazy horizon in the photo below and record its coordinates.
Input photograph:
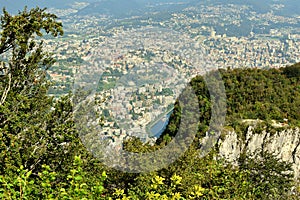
(289, 5)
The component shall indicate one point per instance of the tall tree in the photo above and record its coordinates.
(34, 130)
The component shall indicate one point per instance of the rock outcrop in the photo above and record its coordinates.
(283, 144)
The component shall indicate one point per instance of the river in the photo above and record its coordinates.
(158, 128)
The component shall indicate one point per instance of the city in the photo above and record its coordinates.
(116, 50)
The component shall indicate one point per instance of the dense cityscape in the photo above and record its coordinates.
(222, 36)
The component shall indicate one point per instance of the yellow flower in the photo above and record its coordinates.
(176, 196)
(198, 192)
(176, 179)
(152, 195)
(164, 197)
(154, 186)
(158, 180)
(118, 192)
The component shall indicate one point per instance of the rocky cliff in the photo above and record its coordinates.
(283, 144)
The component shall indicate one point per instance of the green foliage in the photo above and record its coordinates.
(271, 177)
(251, 94)
(24, 106)
(211, 178)
(266, 95)
(17, 187)
(292, 71)
(45, 186)
(262, 94)
(35, 130)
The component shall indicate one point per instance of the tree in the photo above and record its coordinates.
(292, 71)
(26, 62)
(34, 129)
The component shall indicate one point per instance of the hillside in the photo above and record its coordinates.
(113, 7)
(260, 135)
(264, 94)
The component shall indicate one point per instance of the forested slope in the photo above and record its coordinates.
(267, 96)
(263, 94)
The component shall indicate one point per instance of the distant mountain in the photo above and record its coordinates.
(120, 8)
(291, 7)
(132, 7)
(15, 5)
(114, 8)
